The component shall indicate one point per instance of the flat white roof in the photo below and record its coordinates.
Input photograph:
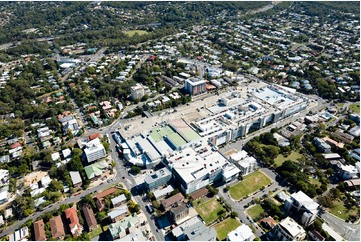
(242, 233)
(239, 155)
(306, 201)
(191, 164)
(291, 226)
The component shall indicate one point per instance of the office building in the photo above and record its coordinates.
(157, 179)
(137, 91)
(303, 207)
(94, 150)
(195, 86)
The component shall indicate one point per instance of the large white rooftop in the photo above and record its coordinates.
(242, 233)
(193, 163)
(292, 227)
(305, 201)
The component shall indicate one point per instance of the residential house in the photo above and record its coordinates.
(20, 234)
(69, 123)
(118, 213)
(199, 194)
(76, 178)
(194, 230)
(99, 198)
(179, 212)
(127, 225)
(75, 227)
(89, 217)
(159, 194)
(348, 172)
(4, 194)
(39, 230)
(346, 138)
(322, 145)
(119, 200)
(172, 201)
(288, 230)
(315, 236)
(242, 233)
(57, 227)
(268, 222)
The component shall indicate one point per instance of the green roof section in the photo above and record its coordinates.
(95, 169)
(184, 130)
(127, 223)
(160, 133)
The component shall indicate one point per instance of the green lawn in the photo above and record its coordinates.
(293, 156)
(130, 33)
(340, 105)
(315, 181)
(95, 232)
(226, 226)
(355, 107)
(255, 212)
(250, 183)
(208, 210)
(339, 207)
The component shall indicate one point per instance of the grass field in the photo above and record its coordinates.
(293, 156)
(208, 210)
(249, 185)
(339, 207)
(315, 181)
(355, 108)
(255, 212)
(226, 226)
(130, 33)
(340, 105)
(95, 232)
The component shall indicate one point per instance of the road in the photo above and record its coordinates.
(130, 183)
(348, 231)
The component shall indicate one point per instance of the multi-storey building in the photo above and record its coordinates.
(288, 230)
(195, 86)
(94, 150)
(157, 179)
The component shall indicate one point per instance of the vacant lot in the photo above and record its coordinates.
(255, 212)
(249, 185)
(130, 33)
(226, 226)
(341, 211)
(294, 156)
(208, 210)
